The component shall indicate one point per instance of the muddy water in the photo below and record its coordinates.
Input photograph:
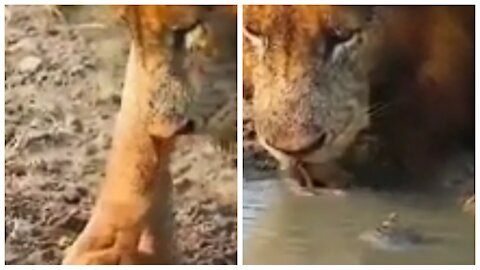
(280, 228)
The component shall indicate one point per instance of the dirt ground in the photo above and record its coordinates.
(63, 77)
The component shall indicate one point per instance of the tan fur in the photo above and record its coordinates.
(131, 222)
(422, 56)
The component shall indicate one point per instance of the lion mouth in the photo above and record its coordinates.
(305, 149)
(287, 157)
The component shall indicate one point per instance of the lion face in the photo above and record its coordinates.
(184, 59)
(309, 74)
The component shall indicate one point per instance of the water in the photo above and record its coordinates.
(280, 228)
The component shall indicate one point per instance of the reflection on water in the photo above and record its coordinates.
(280, 228)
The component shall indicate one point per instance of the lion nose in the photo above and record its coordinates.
(306, 148)
(187, 128)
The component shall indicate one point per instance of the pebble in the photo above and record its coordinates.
(182, 185)
(24, 45)
(91, 150)
(48, 255)
(104, 141)
(29, 64)
(77, 70)
(72, 222)
(82, 191)
(64, 242)
(116, 99)
(71, 196)
(76, 125)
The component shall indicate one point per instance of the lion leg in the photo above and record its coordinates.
(137, 186)
(102, 243)
(134, 197)
(156, 245)
(128, 205)
(152, 249)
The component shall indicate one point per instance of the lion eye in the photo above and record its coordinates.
(180, 35)
(341, 34)
(197, 39)
(337, 36)
(258, 42)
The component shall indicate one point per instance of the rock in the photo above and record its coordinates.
(24, 45)
(29, 64)
(64, 242)
(116, 99)
(91, 150)
(53, 31)
(77, 70)
(183, 185)
(75, 124)
(48, 255)
(104, 141)
(21, 229)
(72, 222)
(82, 191)
(71, 196)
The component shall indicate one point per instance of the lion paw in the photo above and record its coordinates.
(113, 246)
(102, 247)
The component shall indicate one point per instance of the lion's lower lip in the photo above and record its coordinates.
(306, 149)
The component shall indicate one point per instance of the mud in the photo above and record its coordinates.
(63, 78)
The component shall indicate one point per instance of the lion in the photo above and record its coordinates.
(177, 54)
(322, 76)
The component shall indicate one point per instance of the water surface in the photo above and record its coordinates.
(280, 228)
